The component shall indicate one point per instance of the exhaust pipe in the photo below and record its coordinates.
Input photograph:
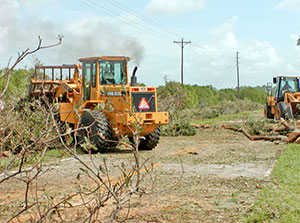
(133, 77)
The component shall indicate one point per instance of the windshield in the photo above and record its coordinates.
(288, 84)
(113, 72)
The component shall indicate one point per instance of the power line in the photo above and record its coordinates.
(110, 12)
(144, 28)
(141, 27)
(144, 18)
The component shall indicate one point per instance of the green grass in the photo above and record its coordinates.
(54, 154)
(223, 118)
(280, 202)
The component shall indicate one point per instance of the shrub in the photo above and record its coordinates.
(203, 102)
(176, 129)
(18, 83)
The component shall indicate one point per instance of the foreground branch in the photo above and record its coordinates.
(21, 57)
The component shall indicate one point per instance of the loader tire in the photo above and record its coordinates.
(268, 112)
(289, 115)
(62, 128)
(98, 131)
(280, 110)
(150, 141)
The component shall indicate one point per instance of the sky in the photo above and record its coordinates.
(264, 33)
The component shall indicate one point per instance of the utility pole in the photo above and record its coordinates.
(238, 74)
(182, 44)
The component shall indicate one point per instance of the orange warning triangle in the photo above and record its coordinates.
(144, 104)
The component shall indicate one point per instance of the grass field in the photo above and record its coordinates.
(280, 201)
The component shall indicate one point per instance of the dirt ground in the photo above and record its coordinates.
(222, 174)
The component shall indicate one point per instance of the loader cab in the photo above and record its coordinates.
(284, 85)
(110, 72)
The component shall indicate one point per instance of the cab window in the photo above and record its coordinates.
(288, 84)
(112, 72)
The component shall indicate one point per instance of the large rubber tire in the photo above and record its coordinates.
(62, 127)
(280, 110)
(268, 112)
(289, 115)
(98, 131)
(150, 141)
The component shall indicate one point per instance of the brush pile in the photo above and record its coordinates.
(269, 130)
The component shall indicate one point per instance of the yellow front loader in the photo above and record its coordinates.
(285, 101)
(103, 83)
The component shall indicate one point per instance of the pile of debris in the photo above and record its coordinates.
(286, 134)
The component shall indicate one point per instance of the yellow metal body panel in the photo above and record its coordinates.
(289, 98)
(67, 113)
(125, 122)
(272, 103)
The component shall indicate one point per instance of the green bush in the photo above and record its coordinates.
(20, 128)
(18, 84)
(255, 94)
(228, 94)
(176, 129)
(190, 102)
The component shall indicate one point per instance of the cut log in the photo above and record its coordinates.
(206, 126)
(294, 135)
(297, 141)
(280, 130)
(286, 125)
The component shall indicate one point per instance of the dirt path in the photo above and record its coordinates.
(223, 172)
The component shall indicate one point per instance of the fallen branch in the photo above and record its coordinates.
(255, 138)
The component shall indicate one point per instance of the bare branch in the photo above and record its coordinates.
(22, 56)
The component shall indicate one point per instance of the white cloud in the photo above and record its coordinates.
(223, 37)
(32, 5)
(260, 56)
(216, 64)
(8, 15)
(289, 5)
(174, 7)
(8, 12)
(226, 27)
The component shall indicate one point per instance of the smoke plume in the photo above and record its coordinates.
(82, 38)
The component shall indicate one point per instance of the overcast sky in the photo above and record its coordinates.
(264, 32)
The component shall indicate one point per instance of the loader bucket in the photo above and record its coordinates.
(294, 109)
